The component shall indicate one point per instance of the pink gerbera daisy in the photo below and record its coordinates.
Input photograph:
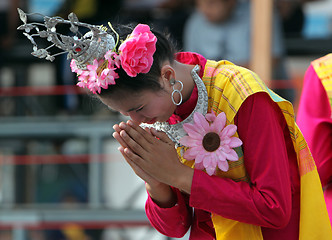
(210, 143)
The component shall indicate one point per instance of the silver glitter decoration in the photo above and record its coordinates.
(83, 48)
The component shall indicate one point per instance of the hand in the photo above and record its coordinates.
(161, 193)
(138, 171)
(154, 154)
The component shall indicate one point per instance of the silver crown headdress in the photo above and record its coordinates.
(94, 54)
(82, 48)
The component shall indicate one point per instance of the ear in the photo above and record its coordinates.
(167, 73)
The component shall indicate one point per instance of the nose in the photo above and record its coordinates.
(124, 113)
(136, 117)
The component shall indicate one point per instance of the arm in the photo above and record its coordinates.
(315, 122)
(170, 216)
(173, 221)
(267, 200)
(166, 207)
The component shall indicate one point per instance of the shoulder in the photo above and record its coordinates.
(227, 69)
(323, 66)
(260, 102)
(261, 111)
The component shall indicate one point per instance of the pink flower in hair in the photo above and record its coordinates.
(113, 59)
(74, 67)
(210, 142)
(135, 56)
(93, 68)
(89, 78)
(136, 52)
(108, 76)
(83, 79)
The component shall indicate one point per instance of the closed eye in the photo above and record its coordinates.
(137, 110)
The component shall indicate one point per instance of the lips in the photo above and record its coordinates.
(152, 121)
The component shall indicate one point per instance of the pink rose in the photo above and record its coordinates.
(136, 52)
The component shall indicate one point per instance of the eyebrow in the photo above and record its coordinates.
(134, 108)
(111, 109)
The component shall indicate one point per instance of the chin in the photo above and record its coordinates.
(152, 121)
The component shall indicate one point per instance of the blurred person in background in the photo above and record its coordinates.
(9, 22)
(167, 15)
(314, 118)
(292, 16)
(225, 28)
(174, 17)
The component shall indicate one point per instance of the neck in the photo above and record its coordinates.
(183, 74)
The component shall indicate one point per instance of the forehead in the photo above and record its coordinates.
(122, 100)
(129, 100)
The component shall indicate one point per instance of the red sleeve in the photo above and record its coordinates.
(174, 221)
(267, 200)
(315, 122)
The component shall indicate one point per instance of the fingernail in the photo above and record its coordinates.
(130, 123)
(122, 125)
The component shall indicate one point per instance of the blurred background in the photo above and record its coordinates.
(61, 176)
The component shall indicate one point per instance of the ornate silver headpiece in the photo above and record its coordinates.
(94, 54)
(83, 48)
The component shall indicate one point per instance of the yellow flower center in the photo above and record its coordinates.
(211, 141)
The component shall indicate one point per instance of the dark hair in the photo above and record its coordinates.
(165, 50)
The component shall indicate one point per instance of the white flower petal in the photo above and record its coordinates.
(211, 117)
(189, 127)
(235, 142)
(224, 149)
(189, 142)
(210, 170)
(207, 161)
(221, 156)
(193, 131)
(199, 157)
(199, 166)
(219, 122)
(191, 153)
(201, 122)
(229, 130)
(224, 140)
(232, 155)
(223, 166)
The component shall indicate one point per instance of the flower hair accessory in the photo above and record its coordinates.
(135, 56)
(136, 52)
(94, 55)
(210, 143)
